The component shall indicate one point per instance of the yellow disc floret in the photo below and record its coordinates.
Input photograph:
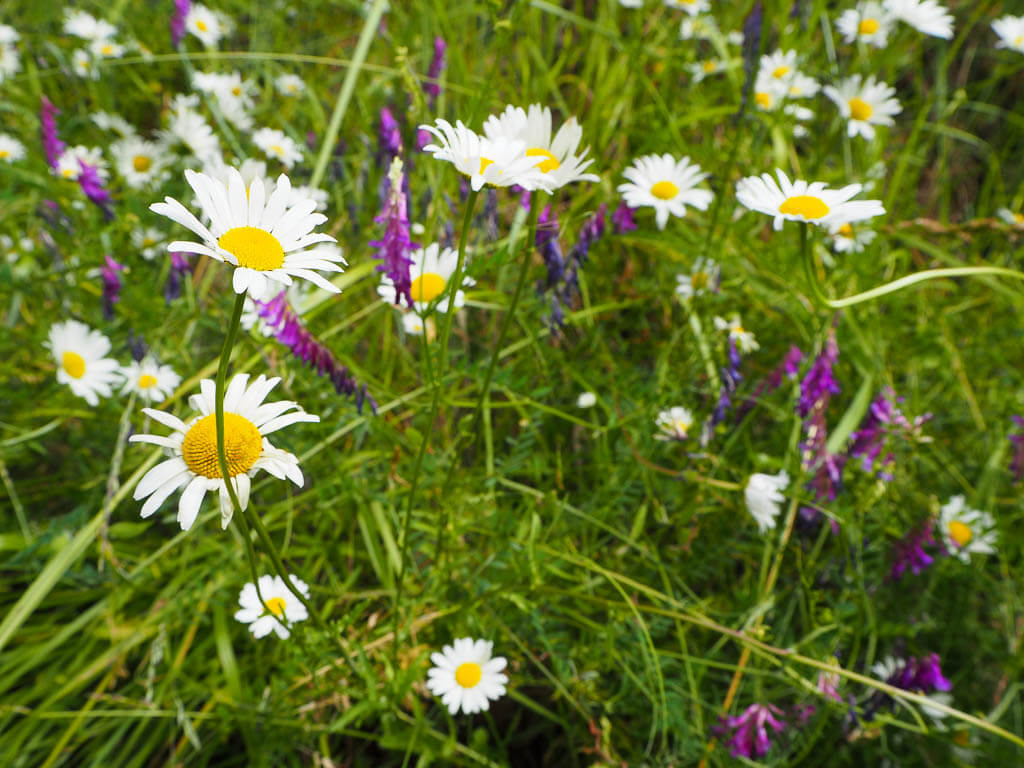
(960, 533)
(276, 606)
(807, 206)
(868, 26)
(781, 71)
(468, 674)
(664, 190)
(763, 99)
(242, 445)
(254, 248)
(427, 287)
(146, 381)
(548, 161)
(859, 109)
(73, 364)
(141, 163)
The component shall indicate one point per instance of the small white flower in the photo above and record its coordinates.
(149, 242)
(466, 676)
(665, 184)
(847, 240)
(206, 25)
(279, 610)
(106, 49)
(704, 276)
(10, 148)
(140, 162)
(692, 7)
(965, 530)
(80, 353)
(1010, 30)
(810, 202)
(233, 94)
(864, 105)
(673, 424)
(1011, 218)
(745, 341)
(111, 121)
(763, 494)
(290, 85)
(84, 65)
(187, 126)
(83, 25)
(69, 164)
(869, 22)
(150, 380)
(430, 271)
(278, 145)
(926, 16)
(699, 70)
(586, 400)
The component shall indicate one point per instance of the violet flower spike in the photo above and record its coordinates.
(52, 145)
(1017, 441)
(910, 554)
(92, 186)
(750, 736)
(431, 87)
(180, 266)
(110, 274)
(393, 249)
(623, 220)
(390, 139)
(181, 9)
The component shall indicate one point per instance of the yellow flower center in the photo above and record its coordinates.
(681, 426)
(1018, 40)
(1018, 218)
(201, 25)
(960, 533)
(68, 173)
(484, 162)
(860, 109)
(868, 26)
(781, 71)
(549, 162)
(846, 230)
(141, 163)
(73, 365)
(698, 280)
(242, 445)
(709, 66)
(427, 287)
(739, 330)
(807, 206)
(468, 674)
(764, 100)
(254, 248)
(4, 154)
(237, 90)
(664, 190)
(148, 241)
(106, 50)
(146, 381)
(276, 606)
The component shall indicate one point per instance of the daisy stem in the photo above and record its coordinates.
(807, 256)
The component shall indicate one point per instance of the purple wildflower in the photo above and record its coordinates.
(788, 368)
(390, 145)
(286, 327)
(546, 241)
(882, 420)
(181, 9)
(431, 87)
(731, 378)
(819, 384)
(110, 274)
(910, 554)
(1017, 441)
(180, 266)
(563, 272)
(52, 145)
(92, 186)
(137, 346)
(922, 675)
(623, 220)
(423, 138)
(816, 390)
(749, 735)
(828, 685)
(396, 244)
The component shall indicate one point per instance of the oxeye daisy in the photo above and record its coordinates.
(466, 676)
(150, 380)
(810, 202)
(555, 157)
(703, 277)
(192, 448)
(763, 494)
(80, 353)
(845, 239)
(10, 148)
(864, 104)
(966, 531)
(206, 25)
(290, 85)
(148, 241)
(10, 64)
(265, 239)
(744, 339)
(692, 7)
(279, 609)
(673, 424)
(106, 49)
(84, 25)
(1010, 30)
(926, 16)
(140, 162)
(500, 163)
(69, 164)
(665, 184)
(430, 271)
(278, 145)
(869, 23)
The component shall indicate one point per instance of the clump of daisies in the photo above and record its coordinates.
(665, 184)
(278, 611)
(467, 676)
(80, 353)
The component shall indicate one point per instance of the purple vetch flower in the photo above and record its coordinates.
(546, 242)
(828, 685)
(431, 87)
(563, 272)
(393, 249)
(816, 390)
(180, 266)
(390, 139)
(52, 145)
(749, 735)
(1017, 441)
(137, 346)
(92, 186)
(918, 675)
(110, 273)
(882, 420)
(181, 9)
(288, 329)
(731, 378)
(910, 554)
(622, 219)
(819, 383)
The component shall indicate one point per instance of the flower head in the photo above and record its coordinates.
(266, 240)
(703, 277)
(192, 448)
(966, 531)
(140, 162)
(84, 25)
(149, 380)
(396, 244)
(10, 148)
(743, 338)
(430, 269)
(926, 16)
(749, 736)
(864, 105)
(276, 144)
(665, 184)
(1010, 30)
(279, 609)
(178, 20)
(466, 676)
(810, 202)
(763, 494)
(80, 353)
(207, 26)
(673, 424)
(52, 145)
(869, 23)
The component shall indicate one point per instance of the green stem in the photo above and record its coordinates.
(920, 277)
(807, 256)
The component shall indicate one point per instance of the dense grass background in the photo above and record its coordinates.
(606, 566)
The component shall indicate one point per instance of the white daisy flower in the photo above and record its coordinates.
(187, 126)
(10, 63)
(69, 164)
(206, 25)
(84, 25)
(10, 148)
(106, 49)
(555, 157)
(290, 85)
(501, 163)
(966, 531)
(847, 240)
(1011, 218)
(1010, 30)
(81, 363)
(234, 95)
(265, 239)
(799, 200)
(466, 676)
(699, 70)
(414, 324)
(148, 241)
(763, 494)
(665, 184)
(140, 162)
(192, 448)
(430, 271)
(869, 23)
(279, 610)
(704, 276)
(698, 28)
(779, 67)
(84, 65)
(692, 7)
(673, 424)
(586, 400)
(864, 105)
(150, 380)
(278, 145)
(926, 16)
(745, 341)
(802, 86)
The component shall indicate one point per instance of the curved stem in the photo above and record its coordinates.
(920, 277)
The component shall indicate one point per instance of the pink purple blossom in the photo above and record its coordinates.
(110, 273)
(394, 248)
(910, 554)
(749, 736)
(181, 9)
(623, 220)
(52, 145)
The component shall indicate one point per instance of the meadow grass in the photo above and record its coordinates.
(635, 598)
